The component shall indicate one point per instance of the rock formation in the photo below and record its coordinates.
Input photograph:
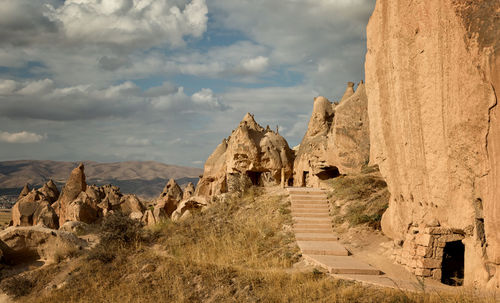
(432, 77)
(188, 206)
(188, 191)
(251, 155)
(337, 140)
(169, 199)
(77, 202)
(24, 191)
(26, 244)
(35, 208)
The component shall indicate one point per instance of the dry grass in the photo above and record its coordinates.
(5, 217)
(239, 250)
(359, 198)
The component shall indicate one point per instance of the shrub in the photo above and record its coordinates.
(119, 229)
(16, 286)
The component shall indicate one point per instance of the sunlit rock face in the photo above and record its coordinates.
(252, 155)
(432, 73)
(337, 140)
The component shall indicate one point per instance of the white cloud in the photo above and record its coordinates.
(127, 23)
(21, 137)
(207, 99)
(255, 65)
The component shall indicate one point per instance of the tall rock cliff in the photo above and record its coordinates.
(251, 155)
(337, 139)
(432, 79)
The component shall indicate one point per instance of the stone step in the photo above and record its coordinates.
(315, 237)
(307, 193)
(313, 230)
(310, 215)
(310, 202)
(312, 220)
(313, 197)
(324, 248)
(343, 265)
(311, 210)
(319, 206)
(316, 226)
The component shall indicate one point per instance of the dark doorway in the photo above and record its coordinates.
(453, 263)
(254, 177)
(305, 178)
(329, 172)
(290, 182)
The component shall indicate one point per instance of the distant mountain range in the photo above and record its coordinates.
(145, 179)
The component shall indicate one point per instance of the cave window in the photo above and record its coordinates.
(290, 182)
(328, 173)
(453, 263)
(254, 177)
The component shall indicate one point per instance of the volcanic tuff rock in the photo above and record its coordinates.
(337, 139)
(74, 186)
(188, 191)
(169, 199)
(251, 155)
(432, 77)
(35, 208)
(26, 244)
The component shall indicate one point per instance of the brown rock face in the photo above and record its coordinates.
(251, 153)
(432, 73)
(24, 191)
(34, 208)
(74, 186)
(169, 198)
(337, 139)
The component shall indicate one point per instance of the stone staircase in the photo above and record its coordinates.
(315, 238)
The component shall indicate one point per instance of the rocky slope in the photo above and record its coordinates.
(141, 178)
(337, 140)
(432, 77)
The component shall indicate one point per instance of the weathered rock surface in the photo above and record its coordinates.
(74, 186)
(189, 206)
(188, 191)
(337, 140)
(27, 244)
(252, 153)
(432, 77)
(26, 189)
(170, 198)
(34, 208)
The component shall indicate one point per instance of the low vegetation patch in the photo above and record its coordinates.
(359, 198)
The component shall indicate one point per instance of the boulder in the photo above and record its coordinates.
(337, 140)
(250, 153)
(189, 206)
(432, 80)
(28, 244)
(155, 216)
(75, 227)
(131, 204)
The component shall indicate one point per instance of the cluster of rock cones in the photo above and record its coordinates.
(79, 202)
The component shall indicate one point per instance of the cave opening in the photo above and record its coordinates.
(254, 177)
(305, 178)
(453, 263)
(329, 172)
(290, 182)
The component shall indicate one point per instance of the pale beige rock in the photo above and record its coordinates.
(74, 186)
(186, 207)
(337, 140)
(131, 204)
(50, 191)
(27, 244)
(33, 209)
(432, 73)
(252, 153)
(172, 189)
(188, 191)
(170, 197)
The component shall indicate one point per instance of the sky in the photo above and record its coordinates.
(167, 80)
